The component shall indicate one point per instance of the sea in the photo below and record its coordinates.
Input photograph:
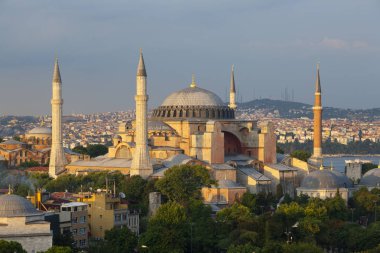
(338, 162)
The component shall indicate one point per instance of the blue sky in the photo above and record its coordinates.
(274, 44)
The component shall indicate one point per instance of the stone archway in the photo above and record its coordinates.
(123, 152)
(232, 144)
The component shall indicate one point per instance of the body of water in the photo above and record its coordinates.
(339, 162)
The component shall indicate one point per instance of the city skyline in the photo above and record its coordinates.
(98, 50)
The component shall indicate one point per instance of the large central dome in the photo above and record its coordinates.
(192, 96)
(193, 102)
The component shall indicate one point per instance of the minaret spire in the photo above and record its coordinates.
(141, 164)
(317, 110)
(141, 71)
(232, 103)
(57, 156)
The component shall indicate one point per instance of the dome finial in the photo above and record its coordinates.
(321, 167)
(193, 83)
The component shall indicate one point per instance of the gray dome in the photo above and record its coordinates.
(371, 178)
(193, 96)
(326, 179)
(14, 206)
(40, 130)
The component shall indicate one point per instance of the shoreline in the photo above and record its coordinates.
(350, 155)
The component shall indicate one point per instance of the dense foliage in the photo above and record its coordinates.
(10, 247)
(92, 150)
(358, 147)
(301, 155)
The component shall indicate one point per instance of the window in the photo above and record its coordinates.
(117, 217)
(82, 243)
(100, 216)
(75, 220)
(75, 231)
(82, 231)
(82, 219)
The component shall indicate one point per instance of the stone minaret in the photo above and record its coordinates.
(141, 164)
(232, 103)
(57, 155)
(317, 110)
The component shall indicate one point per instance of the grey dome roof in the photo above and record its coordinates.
(193, 96)
(40, 130)
(326, 179)
(14, 206)
(371, 178)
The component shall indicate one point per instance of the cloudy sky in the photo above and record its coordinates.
(274, 44)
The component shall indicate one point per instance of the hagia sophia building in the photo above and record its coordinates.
(193, 126)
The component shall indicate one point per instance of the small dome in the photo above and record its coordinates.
(193, 96)
(14, 206)
(40, 130)
(371, 178)
(326, 179)
(116, 136)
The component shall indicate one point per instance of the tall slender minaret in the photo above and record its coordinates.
(232, 103)
(57, 155)
(141, 164)
(317, 110)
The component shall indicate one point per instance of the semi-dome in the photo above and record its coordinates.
(371, 178)
(40, 130)
(193, 102)
(14, 206)
(326, 179)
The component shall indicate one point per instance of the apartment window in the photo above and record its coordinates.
(75, 220)
(124, 217)
(82, 231)
(82, 243)
(75, 231)
(82, 219)
(117, 217)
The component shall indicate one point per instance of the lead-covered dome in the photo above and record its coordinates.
(326, 179)
(193, 102)
(371, 178)
(193, 96)
(40, 130)
(14, 206)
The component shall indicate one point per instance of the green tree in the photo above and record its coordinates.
(97, 150)
(368, 166)
(29, 164)
(181, 183)
(16, 138)
(22, 189)
(120, 240)
(40, 179)
(290, 213)
(301, 155)
(59, 249)
(243, 248)
(201, 233)
(302, 248)
(81, 150)
(167, 230)
(10, 247)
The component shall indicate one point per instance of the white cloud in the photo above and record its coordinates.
(334, 43)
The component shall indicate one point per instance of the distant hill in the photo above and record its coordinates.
(288, 109)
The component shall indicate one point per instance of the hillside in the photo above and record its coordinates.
(288, 109)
